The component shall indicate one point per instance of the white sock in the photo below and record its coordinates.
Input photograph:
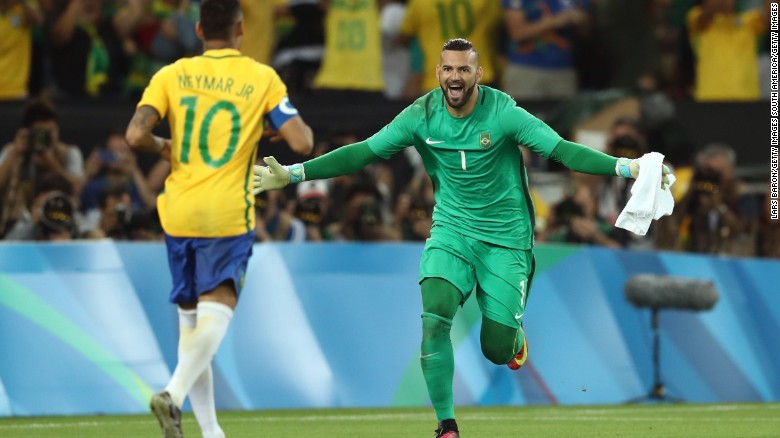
(202, 392)
(198, 347)
(202, 401)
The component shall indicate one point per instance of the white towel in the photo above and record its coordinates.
(648, 200)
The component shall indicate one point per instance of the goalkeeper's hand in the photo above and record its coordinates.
(628, 168)
(275, 176)
(271, 177)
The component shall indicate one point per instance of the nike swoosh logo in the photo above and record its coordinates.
(428, 355)
(429, 141)
(518, 316)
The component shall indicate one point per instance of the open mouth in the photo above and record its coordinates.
(455, 90)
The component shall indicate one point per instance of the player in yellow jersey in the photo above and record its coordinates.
(353, 47)
(17, 20)
(433, 23)
(216, 105)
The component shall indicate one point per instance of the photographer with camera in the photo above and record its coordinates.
(35, 151)
(362, 219)
(53, 215)
(116, 217)
(312, 208)
(575, 220)
(112, 165)
(275, 220)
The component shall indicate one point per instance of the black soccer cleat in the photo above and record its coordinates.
(168, 414)
(447, 429)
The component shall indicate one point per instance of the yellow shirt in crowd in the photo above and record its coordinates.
(726, 55)
(434, 22)
(15, 53)
(353, 48)
(258, 38)
(215, 105)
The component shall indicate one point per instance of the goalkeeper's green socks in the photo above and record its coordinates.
(438, 363)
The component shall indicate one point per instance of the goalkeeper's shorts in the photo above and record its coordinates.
(502, 276)
(199, 265)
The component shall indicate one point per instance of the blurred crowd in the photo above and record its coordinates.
(618, 66)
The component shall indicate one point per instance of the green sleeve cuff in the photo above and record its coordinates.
(345, 160)
(583, 159)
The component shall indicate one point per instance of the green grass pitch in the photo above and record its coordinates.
(647, 420)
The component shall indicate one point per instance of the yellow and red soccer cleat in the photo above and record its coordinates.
(519, 360)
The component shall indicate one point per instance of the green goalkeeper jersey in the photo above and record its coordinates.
(475, 162)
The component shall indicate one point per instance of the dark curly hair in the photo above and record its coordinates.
(458, 45)
(217, 18)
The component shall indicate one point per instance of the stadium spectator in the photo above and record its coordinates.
(704, 221)
(482, 237)
(35, 151)
(116, 218)
(17, 20)
(115, 165)
(362, 218)
(209, 224)
(575, 220)
(274, 220)
(718, 214)
(53, 215)
(353, 48)
(414, 217)
(626, 29)
(163, 30)
(259, 36)
(433, 23)
(312, 207)
(542, 36)
(414, 208)
(726, 46)
(87, 53)
(112, 214)
(722, 160)
(299, 52)
(395, 57)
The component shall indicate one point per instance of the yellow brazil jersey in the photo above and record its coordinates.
(353, 47)
(15, 53)
(434, 22)
(727, 56)
(215, 105)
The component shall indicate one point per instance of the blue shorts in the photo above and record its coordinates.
(198, 265)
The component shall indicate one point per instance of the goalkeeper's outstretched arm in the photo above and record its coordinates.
(586, 160)
(342, 161)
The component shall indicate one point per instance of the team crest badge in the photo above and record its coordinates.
(484, 140)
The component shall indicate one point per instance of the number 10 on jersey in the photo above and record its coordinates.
(190, 102)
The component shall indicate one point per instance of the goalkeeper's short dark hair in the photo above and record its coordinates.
(217, 18)
(458, 45)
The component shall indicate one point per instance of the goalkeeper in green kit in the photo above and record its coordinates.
(482, 236)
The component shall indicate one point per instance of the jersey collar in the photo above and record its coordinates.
(221, 53)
